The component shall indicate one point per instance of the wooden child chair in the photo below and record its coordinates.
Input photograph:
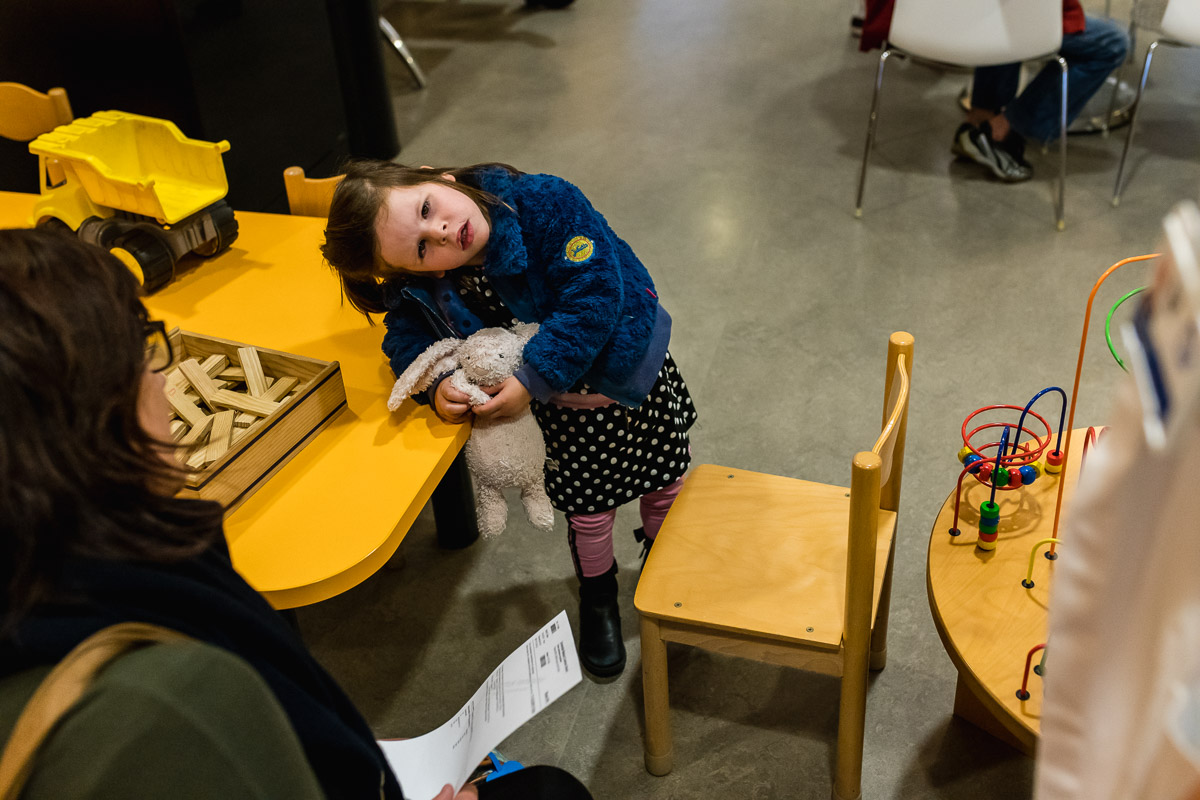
(784, 571)
(308, 197)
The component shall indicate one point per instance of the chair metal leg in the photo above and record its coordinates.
(393, 37)
(659, 750)
(1059, 206)
(1137, 104)
(862, 176)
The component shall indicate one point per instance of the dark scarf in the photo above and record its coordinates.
(204, 598)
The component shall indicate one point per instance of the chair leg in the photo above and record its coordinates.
(1060, 203)
(1137, 104)
(393, 38)
(862, 175)
(659, 751)
(879, 632)
(852, 721)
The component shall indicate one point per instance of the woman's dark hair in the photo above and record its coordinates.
(351, 247)
(79, 476)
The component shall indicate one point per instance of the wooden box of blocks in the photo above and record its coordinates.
(242, 412)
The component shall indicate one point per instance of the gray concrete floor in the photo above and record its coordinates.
(722, 140)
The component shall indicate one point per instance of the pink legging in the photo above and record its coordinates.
(591, 534)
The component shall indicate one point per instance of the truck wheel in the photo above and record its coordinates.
(147, 257)
(55, 225)
(227, 229)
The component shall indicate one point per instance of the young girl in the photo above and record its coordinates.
(445, 252)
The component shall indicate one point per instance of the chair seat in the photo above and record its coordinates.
(757, 554)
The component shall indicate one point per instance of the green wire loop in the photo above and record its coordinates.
(1108, 326)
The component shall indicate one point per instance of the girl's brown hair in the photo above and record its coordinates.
(79, 475)
(351, 247)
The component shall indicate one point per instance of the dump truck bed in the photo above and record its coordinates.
(138, 164)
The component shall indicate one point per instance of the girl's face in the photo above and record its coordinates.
(430, 229)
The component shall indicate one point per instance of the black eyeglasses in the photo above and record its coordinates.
(159, 354)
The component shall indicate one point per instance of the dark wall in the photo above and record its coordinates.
(268, 75)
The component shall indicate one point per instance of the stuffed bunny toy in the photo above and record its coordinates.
(500, 453)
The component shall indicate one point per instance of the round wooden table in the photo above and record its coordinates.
(987, 619)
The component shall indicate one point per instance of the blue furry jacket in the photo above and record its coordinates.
(552, 259)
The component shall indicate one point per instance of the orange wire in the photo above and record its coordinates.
(1075, 389)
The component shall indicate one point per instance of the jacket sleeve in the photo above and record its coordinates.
(405, 339)
(582, 269)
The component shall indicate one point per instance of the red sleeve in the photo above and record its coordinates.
(876, 24)
(1073, 19)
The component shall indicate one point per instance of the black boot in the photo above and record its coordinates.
(601, 649)
(639, 535)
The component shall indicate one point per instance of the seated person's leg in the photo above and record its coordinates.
(985, 138)
(535, 783)
(1091, 57)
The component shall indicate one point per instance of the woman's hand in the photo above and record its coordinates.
(469, 792)
(508, 400)
(450, 404)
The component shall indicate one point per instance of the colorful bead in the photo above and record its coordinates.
(989, 519)
(1029, 474)
(966, 451)
(1014, 477)
(1000, 477)
(1037, 470)
(985, 471)
(971, 459)
(1054, 461)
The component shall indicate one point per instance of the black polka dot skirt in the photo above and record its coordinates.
(601, 458)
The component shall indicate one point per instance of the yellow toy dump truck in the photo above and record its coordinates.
(137, 187)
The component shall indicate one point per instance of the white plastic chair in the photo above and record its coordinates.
(1180, 28)
(974, 33)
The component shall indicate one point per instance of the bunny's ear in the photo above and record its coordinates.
(525, 330)
(424, 369)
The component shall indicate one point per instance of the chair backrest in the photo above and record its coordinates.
(1182, 21)
(889, 446)
(875, 476)
(977, 33)
(308, 197)
(26, 114)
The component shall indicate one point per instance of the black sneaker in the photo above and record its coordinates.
(976, 144)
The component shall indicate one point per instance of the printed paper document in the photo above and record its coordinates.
(534, 676)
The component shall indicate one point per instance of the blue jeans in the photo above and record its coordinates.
(1091, 57)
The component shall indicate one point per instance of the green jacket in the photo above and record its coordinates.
(182, 721)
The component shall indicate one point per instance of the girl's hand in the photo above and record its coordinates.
(469, 792)
(450, 404)
(508, 400)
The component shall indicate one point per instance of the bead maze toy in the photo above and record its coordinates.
(988, 599)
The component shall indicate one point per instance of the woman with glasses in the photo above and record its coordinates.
(91, 535)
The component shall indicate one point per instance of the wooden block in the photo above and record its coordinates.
(279, 388)
(214, 364)
(184, 407)
(179, 429)
(255, 380)
(200, 381)
(197, 433)
(219, 438)
(243, 402)
(196, 459)
(232, 374)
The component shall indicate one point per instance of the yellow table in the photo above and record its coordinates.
(987, 619)
(333, 515)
